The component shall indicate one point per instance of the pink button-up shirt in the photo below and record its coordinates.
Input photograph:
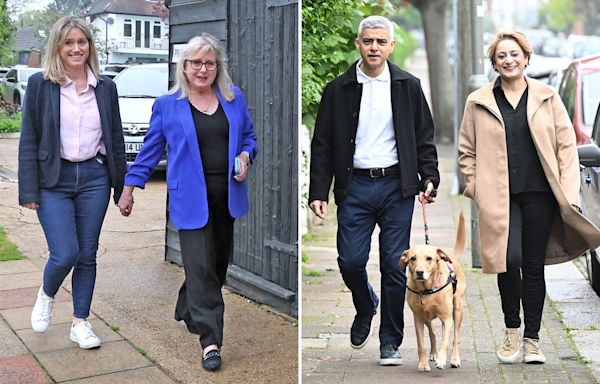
(80, 129)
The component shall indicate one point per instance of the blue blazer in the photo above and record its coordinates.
(172, 123)
(39, 145)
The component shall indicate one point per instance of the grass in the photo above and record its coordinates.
(115, 328)
(8, 251)
(145, 354)
(311, 272)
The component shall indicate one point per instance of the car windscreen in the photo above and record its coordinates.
(142, 82)
(590, 96)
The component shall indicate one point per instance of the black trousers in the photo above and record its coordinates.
(206, 252)
(531, 218)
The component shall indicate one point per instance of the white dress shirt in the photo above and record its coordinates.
(375, 138)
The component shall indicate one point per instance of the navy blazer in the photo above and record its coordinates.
(172, 124)
(39, 146)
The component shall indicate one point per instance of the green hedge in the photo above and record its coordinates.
(9, 123)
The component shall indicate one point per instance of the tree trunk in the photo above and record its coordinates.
(433, 15)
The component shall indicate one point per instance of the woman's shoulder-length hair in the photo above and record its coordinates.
(54, 69)
(203, 44)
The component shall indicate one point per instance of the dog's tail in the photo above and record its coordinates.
(461, 237)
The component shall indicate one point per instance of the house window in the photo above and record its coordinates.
(157, 29)
(127, 28)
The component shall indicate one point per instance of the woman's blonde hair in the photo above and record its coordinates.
(54, 69)
(518, 37)
(203, 44)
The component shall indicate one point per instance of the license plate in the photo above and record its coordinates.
(133, 147)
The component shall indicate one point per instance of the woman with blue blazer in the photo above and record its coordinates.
(71, 154)
(205, 122)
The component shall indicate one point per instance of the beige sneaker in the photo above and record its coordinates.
(533, 353)
(510, 350)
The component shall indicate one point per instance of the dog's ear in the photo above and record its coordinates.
(443, 255)
(404, 259)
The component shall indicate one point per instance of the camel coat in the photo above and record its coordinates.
(483, 161)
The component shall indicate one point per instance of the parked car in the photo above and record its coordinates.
(589, 159)
(138, 86)
(112, 70)
(580, 92)
(14, 84)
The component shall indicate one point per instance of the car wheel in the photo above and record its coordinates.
(594, 270)
(17, 99)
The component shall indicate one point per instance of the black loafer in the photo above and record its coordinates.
(361, 329)
(212, 360)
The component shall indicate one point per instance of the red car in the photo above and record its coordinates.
(580, 92)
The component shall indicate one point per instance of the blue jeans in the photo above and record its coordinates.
(71, 214)
(370, 202)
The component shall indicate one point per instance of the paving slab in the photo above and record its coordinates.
(76, 363)
(20, 280)
(148, 375)
(20, 318)
(10, 345)
(25, 297)
(22, 370)
(57, 336)
(17, 266)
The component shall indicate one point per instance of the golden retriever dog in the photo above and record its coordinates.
(433, 292)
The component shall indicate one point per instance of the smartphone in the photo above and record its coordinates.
(237, 168)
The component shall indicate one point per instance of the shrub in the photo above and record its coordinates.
(10, 118)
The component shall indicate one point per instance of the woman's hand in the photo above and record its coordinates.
(32, 205)
(126, 200)
(244, 161)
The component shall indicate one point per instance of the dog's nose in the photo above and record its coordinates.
(420, 275)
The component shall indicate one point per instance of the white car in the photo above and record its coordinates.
(14, 83)
(138, 86)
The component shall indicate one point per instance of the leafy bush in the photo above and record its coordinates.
(10, 118)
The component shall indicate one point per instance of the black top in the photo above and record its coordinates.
(213, 140)
(525, 169)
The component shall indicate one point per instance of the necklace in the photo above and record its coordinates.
(207, 107)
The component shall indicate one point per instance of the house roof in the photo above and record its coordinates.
(28, 38)
(128, 7)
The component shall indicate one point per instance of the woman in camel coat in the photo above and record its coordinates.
(518, 155)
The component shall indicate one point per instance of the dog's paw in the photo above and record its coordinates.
(455, 363)
(433, 357)
(440, 363)
(424, 367)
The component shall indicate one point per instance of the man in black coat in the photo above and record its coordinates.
(374, 133)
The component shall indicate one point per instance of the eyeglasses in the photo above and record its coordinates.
(198, 64)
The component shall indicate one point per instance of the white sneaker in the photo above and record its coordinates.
(41, 315)
(83, 334)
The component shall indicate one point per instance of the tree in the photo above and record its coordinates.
(69, 7)
(434, 19)
(7, 30)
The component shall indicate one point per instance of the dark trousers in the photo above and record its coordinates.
(370, 202)
(206, 252)
(531, 218)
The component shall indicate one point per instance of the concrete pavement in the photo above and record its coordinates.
(569, 335)
(132, 310)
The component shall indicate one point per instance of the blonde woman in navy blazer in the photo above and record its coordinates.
(71, 154)
(205, 122)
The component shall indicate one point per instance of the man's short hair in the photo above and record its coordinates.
(376, 22)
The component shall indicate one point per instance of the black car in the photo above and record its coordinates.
(589, 160)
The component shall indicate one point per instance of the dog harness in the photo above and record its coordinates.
(451, 280)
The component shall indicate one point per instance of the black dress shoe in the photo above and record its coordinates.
(212, 360)
(361, 328)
